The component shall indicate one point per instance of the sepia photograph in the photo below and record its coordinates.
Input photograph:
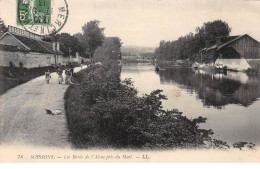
(129, 81)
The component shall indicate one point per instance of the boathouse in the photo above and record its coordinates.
(234, 52)
(21, 48)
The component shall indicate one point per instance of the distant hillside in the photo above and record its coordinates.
(135, 50)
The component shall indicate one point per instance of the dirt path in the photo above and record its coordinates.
(23, 119)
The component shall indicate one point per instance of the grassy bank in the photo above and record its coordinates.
(14, 76)
(103, 111)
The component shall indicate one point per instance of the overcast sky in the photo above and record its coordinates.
(146, 22)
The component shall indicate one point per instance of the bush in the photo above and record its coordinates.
(14, 76)
(103, 111)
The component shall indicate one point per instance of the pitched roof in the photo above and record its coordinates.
(12, 48)
(34, 45)
(230, 40)
(226, 40)
(48, 46)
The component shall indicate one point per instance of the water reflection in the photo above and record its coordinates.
(229, 101)
(215, 89)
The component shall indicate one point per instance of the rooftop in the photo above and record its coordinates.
(224, 41)
(12, 48)
(37, 45)
(31, 45)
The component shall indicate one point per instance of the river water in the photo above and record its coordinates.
(230, 102)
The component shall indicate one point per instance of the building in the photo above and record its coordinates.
(77, 58)
(21, 48)
(235, 52)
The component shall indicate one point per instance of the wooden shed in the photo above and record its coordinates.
(235, 52)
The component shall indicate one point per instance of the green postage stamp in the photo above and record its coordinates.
(34, 12)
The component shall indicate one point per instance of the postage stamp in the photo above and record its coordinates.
(42, 17)
(34, 12)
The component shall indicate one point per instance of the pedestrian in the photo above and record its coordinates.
(60, 77)
(71, 73)
(71, 68)
(68, 76)
(47, 76)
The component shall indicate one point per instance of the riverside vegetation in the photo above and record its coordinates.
(104, 112)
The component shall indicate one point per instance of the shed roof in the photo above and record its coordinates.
(230, 40)
(226, 40)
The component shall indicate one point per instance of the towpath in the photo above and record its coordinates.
(23, 119)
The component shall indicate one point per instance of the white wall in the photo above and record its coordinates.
(76, 59)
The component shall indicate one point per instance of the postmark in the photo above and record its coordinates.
(42, 17)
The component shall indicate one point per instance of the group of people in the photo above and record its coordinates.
(68, 74)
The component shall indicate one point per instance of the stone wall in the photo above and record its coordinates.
(17, 58)
(28, 60)
(39, 60)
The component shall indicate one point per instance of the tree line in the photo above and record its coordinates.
(86, 42)
(90, 43)
(188, 46)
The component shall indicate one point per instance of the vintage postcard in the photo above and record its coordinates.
(129, 81)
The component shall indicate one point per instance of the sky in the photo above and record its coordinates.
(147, 22)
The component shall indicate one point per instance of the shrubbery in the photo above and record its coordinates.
(103, 111)
(14, 76)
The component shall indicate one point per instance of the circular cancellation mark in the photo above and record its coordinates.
(42, 17)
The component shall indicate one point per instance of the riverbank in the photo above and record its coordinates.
(105, 112)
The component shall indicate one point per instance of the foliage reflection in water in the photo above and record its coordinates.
(229, 101)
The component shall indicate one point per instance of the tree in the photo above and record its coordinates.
(94, 36)
(189, 45)
(110, 49)
(217, 28)
(69, 45)
(83, 44)
(3, 28)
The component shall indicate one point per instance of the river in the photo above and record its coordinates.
(230, 102)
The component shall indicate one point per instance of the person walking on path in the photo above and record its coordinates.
(71, 68)
(47, 76)
(60, 77)
(68, 76)
(25, 121)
